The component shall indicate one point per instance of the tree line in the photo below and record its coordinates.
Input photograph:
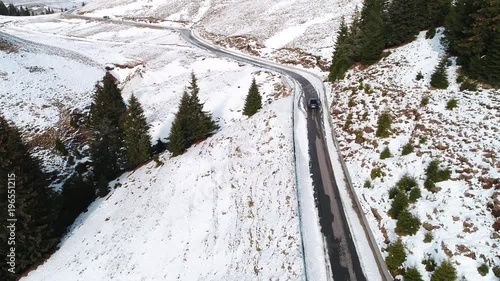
(12, 10)
(472, 33)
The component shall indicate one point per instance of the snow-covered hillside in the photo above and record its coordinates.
(465, 139)
(306, 24)
(43, 82)
(226, 210)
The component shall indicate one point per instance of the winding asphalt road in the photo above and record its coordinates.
(344, 260)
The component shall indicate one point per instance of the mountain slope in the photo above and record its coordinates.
(226, 210)
(457, 213)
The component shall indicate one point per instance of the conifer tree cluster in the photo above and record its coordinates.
(473, 32)
(253, 101)
(407, 223)
(120, 138)
(11, 10)
(191, 123)
(383, 24)
(26, 197)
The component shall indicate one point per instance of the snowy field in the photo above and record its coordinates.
(465, 139)
(235, 218)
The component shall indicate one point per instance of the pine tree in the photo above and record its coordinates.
(444, 272)
(399, 203)
(137, 139)
(439, 78)
(342, 55)
(200, 122)
(180, 131)
(370, 41)
(407, 224)
(384, 125)
(253, 101)
(177, 139)
(4, 11)
(401, 25)
(191, 123)
(12, 10)
(415, 194)
(396, 256)
(106, 119)
(35, 204)
(412, 274)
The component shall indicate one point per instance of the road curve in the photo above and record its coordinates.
(344, 260)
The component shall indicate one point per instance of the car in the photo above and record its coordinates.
(106, 17)
(313, 103)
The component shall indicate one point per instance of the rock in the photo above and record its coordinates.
(496, 225)
(368, 130)
(430, 227)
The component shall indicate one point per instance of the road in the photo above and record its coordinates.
(344, 260)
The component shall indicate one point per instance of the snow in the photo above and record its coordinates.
(461, 139)
(225, 210)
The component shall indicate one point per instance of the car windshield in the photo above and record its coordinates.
(313, 101)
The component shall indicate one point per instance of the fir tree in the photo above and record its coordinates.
(415, 194)
(439, 78)
(200, 123)
(386, 153)
(180, 131)
(253, 101)
(384, 125)
(370, 41)
(444, 272)
(4, 11)
(407, 224)
(106, 119)
(191, 123)
(402, 22)
(412, 274)
(177, 139)
(35, 205)
(12, 10)
(399, 203)
(396, 256)
(342, 56)
(137, 139)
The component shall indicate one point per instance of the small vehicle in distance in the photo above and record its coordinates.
(106, 17)
(313, 103)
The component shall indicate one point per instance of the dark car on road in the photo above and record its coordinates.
(313, 103)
